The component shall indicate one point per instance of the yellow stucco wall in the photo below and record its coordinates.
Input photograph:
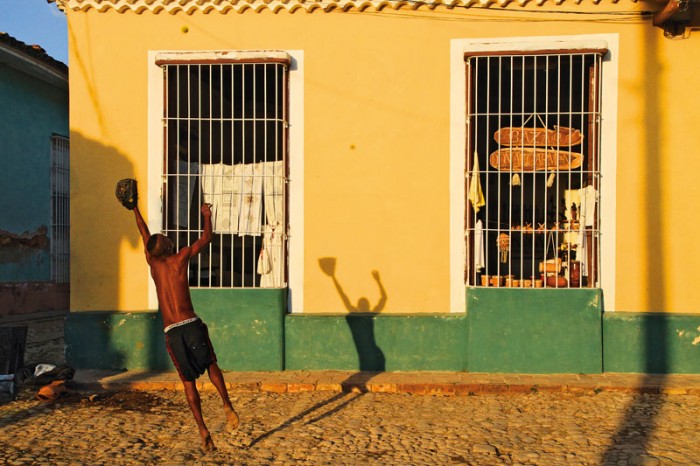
(656, 188)
(377, 147)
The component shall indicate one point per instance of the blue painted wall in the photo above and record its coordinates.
(31, 111)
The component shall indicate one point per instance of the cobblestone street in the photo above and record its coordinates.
(545, 426)
(356, 428)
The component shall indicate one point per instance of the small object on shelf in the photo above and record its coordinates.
(575, 274)
(496, 280)
(556, 281)
(485, 280)
(508, 282)
(504, 246)
(550, 266)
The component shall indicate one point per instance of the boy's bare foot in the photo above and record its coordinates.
(208, 443)
(232, 420)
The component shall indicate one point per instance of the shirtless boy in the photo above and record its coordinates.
(186, 336)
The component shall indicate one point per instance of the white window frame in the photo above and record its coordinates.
(156, 134)
(458, 140)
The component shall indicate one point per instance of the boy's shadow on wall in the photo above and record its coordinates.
(360, 320)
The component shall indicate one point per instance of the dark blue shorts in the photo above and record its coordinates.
(190, 349)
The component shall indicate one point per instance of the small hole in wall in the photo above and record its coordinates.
(185, 29)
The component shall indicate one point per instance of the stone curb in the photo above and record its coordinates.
(421, 389)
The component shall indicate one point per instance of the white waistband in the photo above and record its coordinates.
(178, 324)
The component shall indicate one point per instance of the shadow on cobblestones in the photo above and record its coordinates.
(143, 402)
(637, 428)
(355, 385)
(135, 401)
(635, 432)
(306, 412)
(28, 393)
(14, 416)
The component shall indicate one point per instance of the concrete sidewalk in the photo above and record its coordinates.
(415, 383)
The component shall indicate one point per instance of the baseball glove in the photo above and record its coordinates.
(127, 193)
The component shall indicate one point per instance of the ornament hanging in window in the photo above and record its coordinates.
(504, 246)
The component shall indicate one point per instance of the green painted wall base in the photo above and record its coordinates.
(534, 331)
(504, 330)
(246, 328)
(651, 343)
(376, 342)
(116, 340)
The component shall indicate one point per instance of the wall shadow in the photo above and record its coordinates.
(360, 319)
(100, 225)
(631, 441)
(93, 219)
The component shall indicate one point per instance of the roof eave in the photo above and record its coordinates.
(14, 58)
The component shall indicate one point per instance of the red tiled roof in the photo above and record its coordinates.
(34, 51)
(223, 6)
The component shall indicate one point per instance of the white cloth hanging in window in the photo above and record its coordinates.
(237, 193)
(479, 262)
(589, 200)
(572, 197)
(273, 188)
(218, 190)
(270, 259)
(582, 250)
(249, 184)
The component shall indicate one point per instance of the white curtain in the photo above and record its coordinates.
(274, 192)
(249, 184)
(218, 182)
(237, 193)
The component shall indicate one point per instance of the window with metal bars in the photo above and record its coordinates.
(60, 209)
(226, 144)
(533, 169)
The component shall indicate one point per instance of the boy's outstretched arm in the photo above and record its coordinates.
(205, 239)
(143, 228)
